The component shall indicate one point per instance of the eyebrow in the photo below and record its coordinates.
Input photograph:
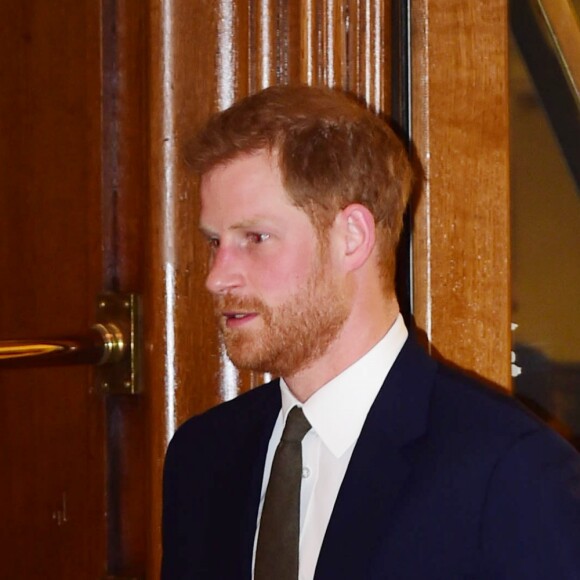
(242, 225)
(206, 232)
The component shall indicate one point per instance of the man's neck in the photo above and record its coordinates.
(352, 343)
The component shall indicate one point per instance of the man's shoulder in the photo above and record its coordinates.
(453, 400)
(491, 417)
(226, 419)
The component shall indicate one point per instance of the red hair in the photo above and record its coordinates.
(331, 152)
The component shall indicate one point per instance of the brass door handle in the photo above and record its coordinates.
(111, 345)
(103, 344)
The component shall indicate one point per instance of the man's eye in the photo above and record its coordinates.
(256, 238)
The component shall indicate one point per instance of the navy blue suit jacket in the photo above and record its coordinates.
(448, 480)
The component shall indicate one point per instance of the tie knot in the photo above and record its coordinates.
(297, 425)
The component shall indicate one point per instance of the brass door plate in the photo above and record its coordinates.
(120, 376)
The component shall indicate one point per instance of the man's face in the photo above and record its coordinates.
(279, 298)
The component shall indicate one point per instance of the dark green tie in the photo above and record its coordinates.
(277, 550)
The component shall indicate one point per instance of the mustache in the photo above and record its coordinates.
(232, 303)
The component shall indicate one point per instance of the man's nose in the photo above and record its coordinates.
(225, 272)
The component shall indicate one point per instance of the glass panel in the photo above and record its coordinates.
(545, 260)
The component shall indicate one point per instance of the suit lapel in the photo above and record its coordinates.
(379, 467)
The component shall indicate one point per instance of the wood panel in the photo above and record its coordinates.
(205, 55)
(461, 220)
(52, 488)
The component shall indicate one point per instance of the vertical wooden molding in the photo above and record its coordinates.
(309, 44)
(123, 29)
(461, 221)
(263, 43)
(346, 43)
(180, 348)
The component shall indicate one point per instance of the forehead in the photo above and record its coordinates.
(247, 186)
(247, 166)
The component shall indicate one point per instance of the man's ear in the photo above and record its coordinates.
(358, 231)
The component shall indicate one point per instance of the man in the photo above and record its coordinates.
(409, 470)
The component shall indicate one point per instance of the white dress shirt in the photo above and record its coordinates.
(337, 412)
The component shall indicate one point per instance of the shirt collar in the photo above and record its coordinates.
(337, 411)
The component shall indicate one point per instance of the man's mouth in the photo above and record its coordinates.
(236, 319)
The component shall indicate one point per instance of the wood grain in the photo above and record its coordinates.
(53, 484)
(461, 219)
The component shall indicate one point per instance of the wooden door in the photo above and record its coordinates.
(53, 483)
(74, 473)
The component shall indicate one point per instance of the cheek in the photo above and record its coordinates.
(281, 275)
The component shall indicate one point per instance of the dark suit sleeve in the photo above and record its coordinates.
(531, 521)
(211, 488)
(171, 519)
(182, 506)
